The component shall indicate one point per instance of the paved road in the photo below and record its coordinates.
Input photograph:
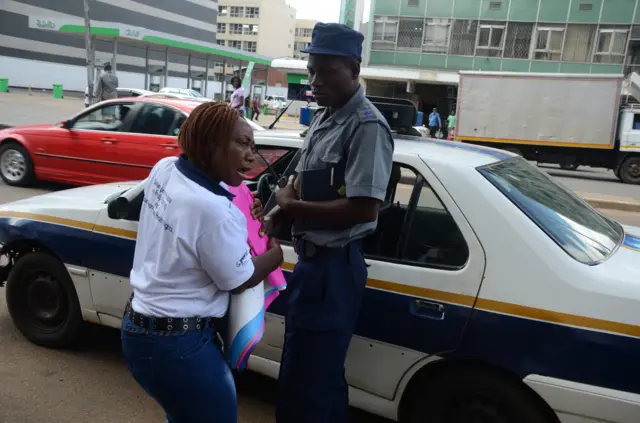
(18, 108)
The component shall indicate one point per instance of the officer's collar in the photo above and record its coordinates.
(341, 114)
(199, 177)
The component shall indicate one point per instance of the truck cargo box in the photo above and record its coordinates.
(539, 109)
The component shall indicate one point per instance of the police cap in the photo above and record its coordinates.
(333, 39)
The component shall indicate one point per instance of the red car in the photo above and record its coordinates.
(115, 140)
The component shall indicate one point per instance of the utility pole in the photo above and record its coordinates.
(89, 49)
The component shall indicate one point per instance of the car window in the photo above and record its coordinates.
(414, 226)
(155, 119)
(580, 230)
(108, 117)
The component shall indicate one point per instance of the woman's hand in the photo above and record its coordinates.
(275, 248)
(256, 208)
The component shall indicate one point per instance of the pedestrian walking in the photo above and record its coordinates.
(342, 178)
(191, 254)
(451, 123)
(107, 85)
(238, 95)
(255, 107)
(435, 123)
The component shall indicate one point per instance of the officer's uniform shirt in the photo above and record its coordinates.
(191, 247)
(359, 131)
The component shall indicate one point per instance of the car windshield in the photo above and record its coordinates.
(195, 93)
(580, 230)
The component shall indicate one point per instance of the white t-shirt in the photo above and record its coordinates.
(237, 98)
(191, 247)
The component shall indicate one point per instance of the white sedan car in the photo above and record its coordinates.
(494, 294)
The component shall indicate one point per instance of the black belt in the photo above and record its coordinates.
(309, 249)
(172, 324)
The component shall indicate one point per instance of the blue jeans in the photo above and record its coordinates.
(185, 372)
(325, 292)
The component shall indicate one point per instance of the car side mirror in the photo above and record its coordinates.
(66, 124)
(118, 208)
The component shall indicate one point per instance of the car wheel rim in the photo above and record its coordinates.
(46, 303)
(634, 170)
(13, 165)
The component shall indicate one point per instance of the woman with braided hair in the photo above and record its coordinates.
(191, 253)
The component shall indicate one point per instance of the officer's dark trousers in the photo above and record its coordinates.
(325, 292)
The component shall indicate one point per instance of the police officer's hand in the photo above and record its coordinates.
(256, 208)
(284, 196)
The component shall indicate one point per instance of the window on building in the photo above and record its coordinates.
(436, 36)
(413, 3)
(490, 40)
(410, 33)
(297, 34)
(578, 43)
(235, 44)
(235, 29)
(223, 11)
(517, 43)
(252, 12)
(548, 43)
(250, 46)
(611, 46)
(250, 29)
(237, 11)
(222, 28)
(220, 42)
(385, 33)
(463, 37)
(304, 32)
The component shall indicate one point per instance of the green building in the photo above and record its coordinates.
(568, 36)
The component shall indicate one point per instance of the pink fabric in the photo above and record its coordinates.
(275, 281)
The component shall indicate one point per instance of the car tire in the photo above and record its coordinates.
(16, 166)
(474, 394)
(629, 172)
(43, 302)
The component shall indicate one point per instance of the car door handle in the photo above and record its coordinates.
(169, 146)
(108, 140)
(428, 309)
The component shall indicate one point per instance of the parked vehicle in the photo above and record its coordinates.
(568, 119)
(512, 301)
(110, 141)
(182, 91)
(132, 92)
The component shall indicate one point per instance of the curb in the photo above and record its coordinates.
(627, 206)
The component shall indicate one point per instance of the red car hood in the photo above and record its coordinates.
(27, 128)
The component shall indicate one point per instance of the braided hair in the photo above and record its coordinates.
(208, 127)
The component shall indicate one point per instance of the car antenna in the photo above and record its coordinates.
(280, 115)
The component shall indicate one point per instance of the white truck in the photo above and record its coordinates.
(568, 119)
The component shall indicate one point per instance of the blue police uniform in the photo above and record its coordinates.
(347, 152)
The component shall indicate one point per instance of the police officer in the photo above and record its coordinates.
(341, 180)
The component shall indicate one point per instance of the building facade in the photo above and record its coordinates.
(32, 56)
(570, 36)
(302, 40)
(259, 26)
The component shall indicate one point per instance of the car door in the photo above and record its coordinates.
(426, 267)
(110, 289)
(86, 154)
(151, 137)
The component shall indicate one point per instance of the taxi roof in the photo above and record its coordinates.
(429, 149)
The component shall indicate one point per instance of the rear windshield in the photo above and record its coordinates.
(580, 230)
